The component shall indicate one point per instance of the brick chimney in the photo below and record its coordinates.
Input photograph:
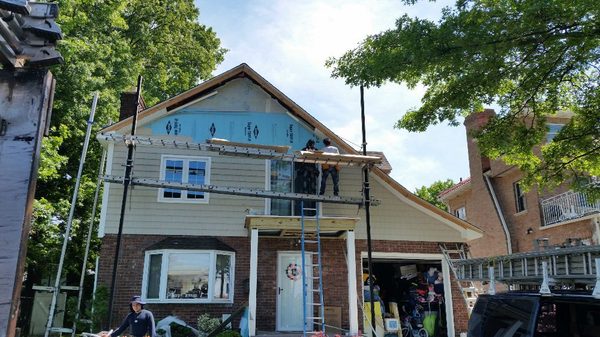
(474, 122)
(128, 105)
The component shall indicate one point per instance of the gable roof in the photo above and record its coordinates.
(455, 189)
(245, 71)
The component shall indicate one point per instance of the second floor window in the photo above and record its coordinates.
(520, 203)
(461, 213)
(192, 170)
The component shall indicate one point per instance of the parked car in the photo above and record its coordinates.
(519, 314)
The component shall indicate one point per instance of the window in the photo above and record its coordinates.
(461, 213)
(192, 170)
(281, 181)
(553, 130)
(188, 276)
(520, 203)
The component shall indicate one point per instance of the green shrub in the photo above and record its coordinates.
(181, 331)
(229, 333)
(207, 324)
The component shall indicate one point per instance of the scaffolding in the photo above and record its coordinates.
(259, 151)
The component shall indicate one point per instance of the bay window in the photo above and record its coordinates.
(184, 276)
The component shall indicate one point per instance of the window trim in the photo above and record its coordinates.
(163, 276)
(185, 177)
(518, 194)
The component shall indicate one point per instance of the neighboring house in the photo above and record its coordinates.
(513, 220)
(189, 252)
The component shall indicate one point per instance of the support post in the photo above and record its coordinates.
(492, 289)
(545, 288)
(352, 291)
(25, 107)
(253, 279)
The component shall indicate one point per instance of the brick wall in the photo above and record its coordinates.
(524, 227)
(130, 270)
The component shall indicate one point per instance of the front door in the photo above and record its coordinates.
(289, 291)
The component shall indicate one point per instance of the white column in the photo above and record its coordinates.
(253, 278)
(448, 298)
(352, 295)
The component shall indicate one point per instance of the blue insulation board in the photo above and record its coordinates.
(244, 127)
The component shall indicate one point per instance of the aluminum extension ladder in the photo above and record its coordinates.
(569, 265)
(452, 253)
(312, 297)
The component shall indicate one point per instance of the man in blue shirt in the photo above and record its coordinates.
(140, 321)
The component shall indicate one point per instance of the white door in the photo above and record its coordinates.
(289, 290)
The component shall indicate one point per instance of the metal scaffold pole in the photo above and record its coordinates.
(367, 188)
(126, 181)
(88, 241)
(56, 289)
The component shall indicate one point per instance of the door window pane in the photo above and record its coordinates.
(281, 181)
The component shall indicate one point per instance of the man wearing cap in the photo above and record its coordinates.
(139, 319)
(329, 169)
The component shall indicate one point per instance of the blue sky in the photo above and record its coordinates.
(287, 42)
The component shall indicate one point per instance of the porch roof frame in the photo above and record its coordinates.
(290, 226)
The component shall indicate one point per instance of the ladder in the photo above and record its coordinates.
(566, 265)
(452, 253)
(312, 296)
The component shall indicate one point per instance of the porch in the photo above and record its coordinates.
(568, 206)
(289, 228)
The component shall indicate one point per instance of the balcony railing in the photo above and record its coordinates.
(567, 206)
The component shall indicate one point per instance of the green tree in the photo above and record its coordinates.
(534, 58)
(106, 45)
(430, 193)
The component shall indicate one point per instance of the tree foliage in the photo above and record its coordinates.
(106, 45)
(430, 193)
(533, 58)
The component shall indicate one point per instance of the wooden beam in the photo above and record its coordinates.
(292, 224)
(24, 108)
(333, 158)
(274, 148)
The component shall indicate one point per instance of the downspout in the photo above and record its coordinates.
(488, 182)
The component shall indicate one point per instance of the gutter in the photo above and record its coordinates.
(488, 182)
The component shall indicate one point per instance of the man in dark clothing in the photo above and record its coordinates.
(140, 321)
(306, 180)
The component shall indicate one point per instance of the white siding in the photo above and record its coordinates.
(223, 215)
(393, 219)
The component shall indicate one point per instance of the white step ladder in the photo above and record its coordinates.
(453, 252)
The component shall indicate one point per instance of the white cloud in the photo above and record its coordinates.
(288, 42)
